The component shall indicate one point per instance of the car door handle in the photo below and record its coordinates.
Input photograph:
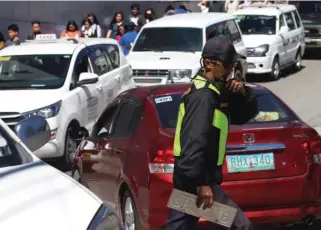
(99, 87)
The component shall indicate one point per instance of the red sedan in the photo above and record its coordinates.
(272, 168)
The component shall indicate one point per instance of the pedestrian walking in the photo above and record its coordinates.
(128, 38)
(206, 109)
(118, 20)
(71, 30)
(13, 35)
(36, 29)
(95, 27)
(149, 15)
(135, 17)
(87, 30)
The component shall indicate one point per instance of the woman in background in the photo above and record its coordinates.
(149, 15)
(71, 30)
(118, 20)
(87, 29)
(121, 32)
(95, 25)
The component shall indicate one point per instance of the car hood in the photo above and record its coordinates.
(164, 60)
(38, 196)
(27, 100)
(252, 41)
(311, 19)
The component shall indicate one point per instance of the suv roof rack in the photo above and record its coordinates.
(61, 40)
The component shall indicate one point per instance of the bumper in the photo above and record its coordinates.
(312, 43)
(259, 65)
(280, 206)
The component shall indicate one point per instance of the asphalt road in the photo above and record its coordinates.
(301, 91)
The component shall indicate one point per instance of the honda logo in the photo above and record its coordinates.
(248, 138)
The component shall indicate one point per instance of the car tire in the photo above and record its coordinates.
(275, 73)
(298, 62)
(129, 212)
(69, 151)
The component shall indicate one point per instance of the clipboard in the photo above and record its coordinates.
(185, 202)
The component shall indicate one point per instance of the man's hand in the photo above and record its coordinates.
(236, 86)
(204, 196)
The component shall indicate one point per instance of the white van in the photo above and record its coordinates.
(168, 50)
(69, 82)
(274, 37)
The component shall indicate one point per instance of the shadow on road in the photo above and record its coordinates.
(314, 54)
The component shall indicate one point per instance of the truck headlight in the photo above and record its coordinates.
(105, 219)
(46, 112)
(177, 74)
(261, 50)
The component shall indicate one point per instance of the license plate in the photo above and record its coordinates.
(308, 40)
(185, 202)
(248, 163)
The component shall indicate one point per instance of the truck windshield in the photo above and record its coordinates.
(257, 24)
(170, 39)
(33, 71)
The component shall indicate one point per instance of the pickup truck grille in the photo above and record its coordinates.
(150, 73)
(11, 118)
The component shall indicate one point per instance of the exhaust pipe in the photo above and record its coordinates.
(309, 220)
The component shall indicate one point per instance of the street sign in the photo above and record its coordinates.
(219, 213)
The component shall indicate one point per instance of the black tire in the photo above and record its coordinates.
(67, 158)
(297, 66)
(127, 217)
(276, 71)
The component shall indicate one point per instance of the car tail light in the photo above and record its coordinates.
(312, 149)
(163, 162)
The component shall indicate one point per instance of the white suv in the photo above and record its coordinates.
(69, 82)
(274, 37)
(168, 50)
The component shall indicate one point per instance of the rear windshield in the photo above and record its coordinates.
(270, 110)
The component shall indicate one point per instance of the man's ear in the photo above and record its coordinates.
(207, 65)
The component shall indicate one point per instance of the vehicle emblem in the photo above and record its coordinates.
(248, 138)
(146, 73)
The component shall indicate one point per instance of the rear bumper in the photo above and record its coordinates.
(292, 193)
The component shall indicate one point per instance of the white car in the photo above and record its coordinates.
(69, 82)
(274, 37)
(168, 50)
(37, 196)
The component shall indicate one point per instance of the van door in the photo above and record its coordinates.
(291, 37)
(282, 44)
(300, 32)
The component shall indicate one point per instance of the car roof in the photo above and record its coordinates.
(57, 46)
(196, 20)
(275, 9)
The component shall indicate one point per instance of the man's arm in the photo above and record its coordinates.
(197, 133)
(242, 107)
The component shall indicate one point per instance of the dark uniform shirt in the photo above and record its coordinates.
(199, 138)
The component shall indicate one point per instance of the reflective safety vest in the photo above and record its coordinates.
(220, 121)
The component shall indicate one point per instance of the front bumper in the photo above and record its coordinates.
(312, 42)
(259, 65)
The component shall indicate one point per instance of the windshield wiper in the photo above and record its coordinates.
(186, 51)
(16, 80)
(154, 50)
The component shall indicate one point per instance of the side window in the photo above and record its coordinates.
(82, 65)
(289, 20)
(217, 30)
(297, 19)
(234, 31)
(127, 121)
(103, 127)
(100, 63)
(113, 53)
(282, 23)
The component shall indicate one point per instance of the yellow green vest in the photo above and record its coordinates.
(220, 121)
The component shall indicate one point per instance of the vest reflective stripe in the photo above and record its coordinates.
(220, 121)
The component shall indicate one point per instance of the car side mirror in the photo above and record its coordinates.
(33, 131)
(78, 133)
(283, 30)
(87, 78)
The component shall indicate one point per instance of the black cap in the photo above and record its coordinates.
(220, 48)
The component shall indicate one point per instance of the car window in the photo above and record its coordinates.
(282, 23)
(99, 61)
(169, 39)
(289, 20)
(218, 29)
(34, 71)
(234, 31)
(270, 110)
(127, 120)
(257, 24)
(11, 152)
(297, 19)
(103, 126)
(113, 53)
(82, 65)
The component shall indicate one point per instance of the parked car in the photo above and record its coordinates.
(67, 81)
(272, 168)
(168, 50)
(310, 12)
(38, 196)
(274, 38)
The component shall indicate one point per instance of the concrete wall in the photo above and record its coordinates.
(55, 14)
